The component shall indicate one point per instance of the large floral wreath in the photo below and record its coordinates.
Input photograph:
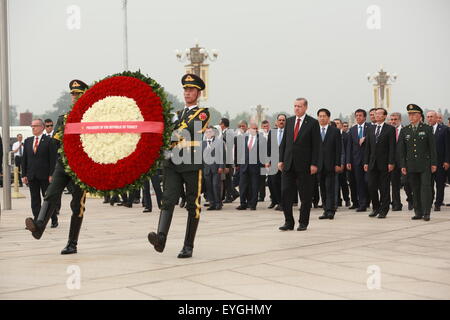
(116, 133)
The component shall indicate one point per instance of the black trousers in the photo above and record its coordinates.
(316, 191)
(361, 185)
(274, 182)
(174, 182)
(327, 190)
(213, 185)
(228, 184)
(262, 186)
(343, 185)
(60, 181)
(379, 181)
(18, 164)
(398, 180)
(352, 184)
(37, 187)
(439, 183)
(146, 197)
(289, 193)
(248, 186)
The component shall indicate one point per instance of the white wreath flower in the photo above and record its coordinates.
(108, 148)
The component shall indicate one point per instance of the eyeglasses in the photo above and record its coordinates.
(48, 125)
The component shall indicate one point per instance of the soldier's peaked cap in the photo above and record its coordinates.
(192, 81)
(77, 86)
(412, 108)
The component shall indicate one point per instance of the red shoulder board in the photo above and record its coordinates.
(202, 116)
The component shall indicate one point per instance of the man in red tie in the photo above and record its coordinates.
(248, 163)
(299, 158)
(38, 164)
(397, 179)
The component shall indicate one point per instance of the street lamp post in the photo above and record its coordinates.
(197, 56)
(382, 81)
(259, 114)
(125, 36)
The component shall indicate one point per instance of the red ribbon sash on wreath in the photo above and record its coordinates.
(115, 127)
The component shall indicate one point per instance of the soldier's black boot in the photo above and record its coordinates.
(158, 240)
(75, 226)
(189, 238)
(37, 227)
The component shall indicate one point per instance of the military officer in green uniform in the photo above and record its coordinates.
(59, 181)
(190, 124)
(418, 160)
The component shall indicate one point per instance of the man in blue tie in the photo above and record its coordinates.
(356, 145)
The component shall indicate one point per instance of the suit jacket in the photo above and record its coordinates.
(355, 152)
(331, 151)
(42, 164)
(345, 136)
(442, 137)
(417, 149)
(379, 154)
(301, 154)
(243, 157)
(217, 146)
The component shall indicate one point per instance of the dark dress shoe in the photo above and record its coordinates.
(410, 206)
(339, 204)
(295, 204)
(241, 207)
(382, 215)
(54, 224)
(302, 228)
(315, 205)
(361, 210)
(417, 218)
(324, 216)
(219, 207)
(279, 208)
(373, 214)
(206, 205)
(437, 208)
(182, 203)
(228, 201)
(186, 252)
(147, 210)
(320, 206)
(272, 205)
(286, 227)
(211, 208)
(331, 215)
(353, 207)
(253, 208)
(397, 208)
(70, 248)
(128, 205)
(120, 204)
(426, 218)
(347, 203)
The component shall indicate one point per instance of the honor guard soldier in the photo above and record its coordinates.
(192, 121)
(418, 159)
(59, 181)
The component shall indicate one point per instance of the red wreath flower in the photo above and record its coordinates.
(118, 176)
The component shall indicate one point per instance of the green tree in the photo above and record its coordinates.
(13, 116)
(240, 116)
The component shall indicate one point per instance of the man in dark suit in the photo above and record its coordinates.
(275, 179)
(299, 159)
(379, 162)
(213, 168)
(342, 177)
(356, 146)
(230, 193)
(248, 163)
(442, 138)
(38, 164)
(330, 161)
(397, 179)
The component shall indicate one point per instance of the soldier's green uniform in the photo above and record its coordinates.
(176, 174)
(417, 153)
(54, 191)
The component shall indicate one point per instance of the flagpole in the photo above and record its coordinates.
(125, 36)
(4, 80)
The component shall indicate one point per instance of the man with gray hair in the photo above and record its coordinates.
(397, 179)
(38, 164)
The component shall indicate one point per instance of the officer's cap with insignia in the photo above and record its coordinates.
(413, 108)
(77, 86)
(192, 81)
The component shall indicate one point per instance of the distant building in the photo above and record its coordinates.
(25, 118)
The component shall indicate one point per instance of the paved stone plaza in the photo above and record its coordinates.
(238, 255)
